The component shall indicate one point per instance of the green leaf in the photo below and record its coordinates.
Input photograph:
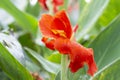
(110, 73)
(49, 66)
(12, 67)
(79, 75)
(58, 76)
(107, 46)
(55, 57)
(112, 10)
(89, 16)
(3, 76)
(27, 40)
(26, 21)
(33, 10)
(13, 46)
(82, 4)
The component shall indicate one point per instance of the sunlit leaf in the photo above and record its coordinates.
(112, 10)
(55, 57)
(49, 66)
(110, 73)
(12, 67)
(89, 16)
(107, 46)
(13, 46)
(27, 22)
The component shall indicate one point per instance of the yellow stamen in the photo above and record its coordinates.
(59, 32)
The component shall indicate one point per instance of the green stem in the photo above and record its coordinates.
(64, 67)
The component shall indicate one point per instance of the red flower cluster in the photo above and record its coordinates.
(55, 4)
(58, 35)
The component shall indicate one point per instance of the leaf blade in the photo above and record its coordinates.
(26, 21)
(49, 66)
(89, 16)
(12, 67)
(106, 45)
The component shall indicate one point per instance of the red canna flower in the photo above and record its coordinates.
(55, 3)
(58, 35)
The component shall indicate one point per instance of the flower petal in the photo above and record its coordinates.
(49, 43)
(58, 25)
(92, 65)
(58, 2)
(62, 16)
(45, 23)
(62, 45)
(55, 26)
(79, 55)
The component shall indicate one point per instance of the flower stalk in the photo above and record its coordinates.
(64, 67)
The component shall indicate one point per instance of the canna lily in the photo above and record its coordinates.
(55, 4)
(58, 35)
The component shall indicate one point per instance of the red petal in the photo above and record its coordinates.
(58, 2)
(62, 45)
(49, 43)
(79, 55)
(43, 4)
(92, 65)
(45, 23)
(56, 26)
(61, 16)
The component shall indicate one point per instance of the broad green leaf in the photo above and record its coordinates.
(55, 57)
(49, 66)
(26, 21)
(111, 11)
(12, 67)
(110, 73)
(89, 16)
(107, 45)
(13, 46)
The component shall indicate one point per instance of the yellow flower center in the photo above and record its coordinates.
(59, 32)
